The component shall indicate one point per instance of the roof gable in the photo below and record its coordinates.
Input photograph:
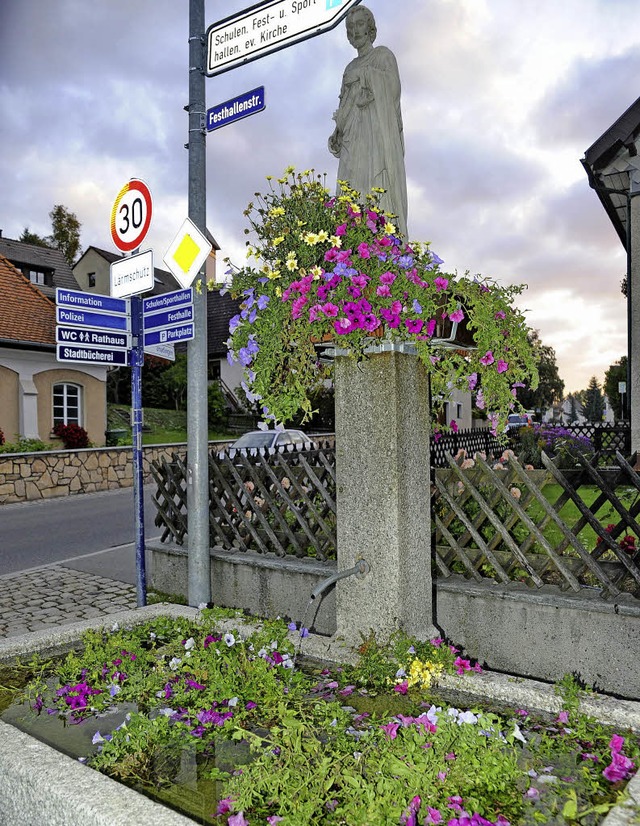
(31, 256)
(27, 316)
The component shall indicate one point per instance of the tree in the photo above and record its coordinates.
(593, 401)
(616, 373)
(65, 232)
(551, 386)
(29, 237)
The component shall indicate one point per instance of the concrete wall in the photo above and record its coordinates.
(542, 634)
(261, 584)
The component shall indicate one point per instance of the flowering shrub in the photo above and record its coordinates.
(73, 436)
(336, 268)
(563, 445)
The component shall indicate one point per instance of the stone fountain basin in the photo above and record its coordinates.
(38, 784)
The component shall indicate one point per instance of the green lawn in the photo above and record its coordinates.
(160, 426)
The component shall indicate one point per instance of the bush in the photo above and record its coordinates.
(25, 446)
(217, 413)
(73, 436)
(558, 442)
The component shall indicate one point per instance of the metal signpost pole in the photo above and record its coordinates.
(137, 360)
(199, 583)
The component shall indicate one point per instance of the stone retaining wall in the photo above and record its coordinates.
(28, 476)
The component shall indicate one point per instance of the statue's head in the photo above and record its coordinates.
(367, 15)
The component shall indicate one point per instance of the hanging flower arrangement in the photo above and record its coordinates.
(325, 267)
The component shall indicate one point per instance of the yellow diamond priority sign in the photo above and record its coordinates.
(187, 253)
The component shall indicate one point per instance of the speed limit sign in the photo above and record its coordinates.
(131, 215)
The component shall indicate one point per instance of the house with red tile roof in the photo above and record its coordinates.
(36, 391)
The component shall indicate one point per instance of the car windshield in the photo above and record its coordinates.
(254, 440)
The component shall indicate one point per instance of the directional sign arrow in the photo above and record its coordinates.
(268, 27)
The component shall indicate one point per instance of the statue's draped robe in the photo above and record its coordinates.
(369, 121)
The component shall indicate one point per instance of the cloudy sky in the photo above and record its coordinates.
(500, 98)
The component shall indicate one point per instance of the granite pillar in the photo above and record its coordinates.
(383, 493)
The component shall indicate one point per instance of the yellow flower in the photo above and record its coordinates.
(291, 262)
(275, 211)
(290, 169)
(279, 292)
(423, 674)
(389, 228)
(273, 274)
(316, 272)
(309, 238)
(278, 240)
(323, 235)
(336, 241)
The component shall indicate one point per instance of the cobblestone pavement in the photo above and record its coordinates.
(57, 595)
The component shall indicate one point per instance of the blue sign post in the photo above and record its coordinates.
(236, 108)
(137, 361)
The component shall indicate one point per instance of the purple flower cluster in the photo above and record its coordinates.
(435, 816)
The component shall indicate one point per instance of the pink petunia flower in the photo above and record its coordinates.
(502, 366)
(487, 359)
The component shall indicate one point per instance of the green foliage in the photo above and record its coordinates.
(65, 232)
(335, 267)
(550, 386)
(217, 412)
(219, 688)
(593, 408)
(615, 374)
(29, 237)
(23, 445)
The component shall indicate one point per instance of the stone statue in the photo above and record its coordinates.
(368, 137)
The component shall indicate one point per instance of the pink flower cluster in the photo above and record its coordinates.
(435, 816)
(344, 291)
(621, 767)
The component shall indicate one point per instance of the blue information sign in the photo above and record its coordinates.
(235, 109)
(170, 335)
(91, 355)
(166, 301)
(91, 301)
(87, 318)
(93, 338)
(169, 318)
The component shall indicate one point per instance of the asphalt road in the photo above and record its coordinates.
(90, 529)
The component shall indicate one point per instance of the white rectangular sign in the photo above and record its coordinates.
(267, 27)
(133, 275)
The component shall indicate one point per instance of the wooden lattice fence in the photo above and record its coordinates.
(571, 528)
(282, 502)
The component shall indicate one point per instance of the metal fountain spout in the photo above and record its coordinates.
(361, 568)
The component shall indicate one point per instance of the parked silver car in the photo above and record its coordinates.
(256, 440)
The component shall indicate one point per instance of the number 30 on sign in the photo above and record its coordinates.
(131, 215)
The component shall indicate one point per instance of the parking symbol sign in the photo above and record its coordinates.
(163, 335)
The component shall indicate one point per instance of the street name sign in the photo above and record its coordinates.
(235, 109)
(131, 215)
(169, 318)
(93, 338)
(91, 301)
(267, 27)
(91, 355)
(162, 351)
(86, 318)
(187, 253)
(132, 275)
(170, 335)
(166, 301)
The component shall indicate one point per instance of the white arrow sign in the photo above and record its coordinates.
(267, 27)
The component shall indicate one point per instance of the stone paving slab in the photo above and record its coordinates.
(57, 595)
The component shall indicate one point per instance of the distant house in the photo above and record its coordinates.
(91, 272)
(46, 268)
(36, 391)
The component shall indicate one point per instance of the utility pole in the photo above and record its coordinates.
(199, 582)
